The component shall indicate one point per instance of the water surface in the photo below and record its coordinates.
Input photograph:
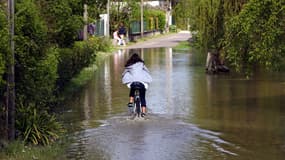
(192, 115)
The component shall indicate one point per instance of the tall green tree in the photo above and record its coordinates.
(209, 19)
(3, 52)
(206, 17)
(35, 64)
(3, 42)
(256, 36)
(248, 33)
(64, 20)
(182, 13)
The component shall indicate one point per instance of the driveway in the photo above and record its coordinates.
(170, 40)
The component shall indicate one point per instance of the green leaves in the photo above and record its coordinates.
(72, 60)
(42, 29)
(64, 19)
(257, 35)
(249, 33)
(3, 43)
(37, 127)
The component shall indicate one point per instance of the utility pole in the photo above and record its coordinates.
(167, 15)
(10, 118)
(108, 20)
(85, 19)
(142, 29)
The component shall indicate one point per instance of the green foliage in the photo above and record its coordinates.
(248, 33)
(96, 7)
(3, 55)
(65, 66)
(37, 126)
(161, 21)
(64, 19)
(30, 29)
(72, 60)
(18, 150)
(182, 14)
(130, 12)
(160, 15)
(256, 35)
(35, 68)
(41, 26)
(99, 44)
(184, 45)
(172, 28)
(207, 19)
(3, 44)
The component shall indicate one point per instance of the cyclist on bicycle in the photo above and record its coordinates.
(137, 75)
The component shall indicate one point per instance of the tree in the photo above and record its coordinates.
(182, 14)
(3, 54)
(255, 37)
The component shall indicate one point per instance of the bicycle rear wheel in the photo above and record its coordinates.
(138, 107)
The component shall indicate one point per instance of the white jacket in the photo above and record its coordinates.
(136, 73)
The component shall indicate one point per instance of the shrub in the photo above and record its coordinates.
(35, 68)
(172, 28)
(72, 61)
(3, 46)
(161, 21)
(256, 36)
(65, 66)
(36, 80)
(64, 20)
(102, 43)
(37, 126)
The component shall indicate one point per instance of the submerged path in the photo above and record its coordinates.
(170, 40)
(186, 120)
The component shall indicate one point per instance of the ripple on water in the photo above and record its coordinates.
(157, 137)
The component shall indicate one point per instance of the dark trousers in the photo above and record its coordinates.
(141, 88)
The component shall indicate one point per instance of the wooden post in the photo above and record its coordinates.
(108, 20)
(142, 29)
(85, 18)
(11, 75)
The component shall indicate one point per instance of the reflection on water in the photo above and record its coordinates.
(191, 115)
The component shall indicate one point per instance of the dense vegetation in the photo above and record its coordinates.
(47, 56)
(129, 13)
(246, 33)
(49, 53)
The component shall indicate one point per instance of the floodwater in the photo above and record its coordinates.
(192, 115)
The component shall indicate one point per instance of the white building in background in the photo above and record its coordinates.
(153, 3)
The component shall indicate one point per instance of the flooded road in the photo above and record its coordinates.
(191, 115)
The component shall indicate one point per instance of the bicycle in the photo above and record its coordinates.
(136, 110)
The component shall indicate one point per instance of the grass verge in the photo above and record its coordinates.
(86, 73)
(184, 45)
(148, 38)
(19, 151)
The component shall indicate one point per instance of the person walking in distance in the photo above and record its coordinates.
(136, 72)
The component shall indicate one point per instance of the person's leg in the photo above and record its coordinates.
(118, 40)
(143, 101)
(123, 39)
(132, 95)
(131, 100)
